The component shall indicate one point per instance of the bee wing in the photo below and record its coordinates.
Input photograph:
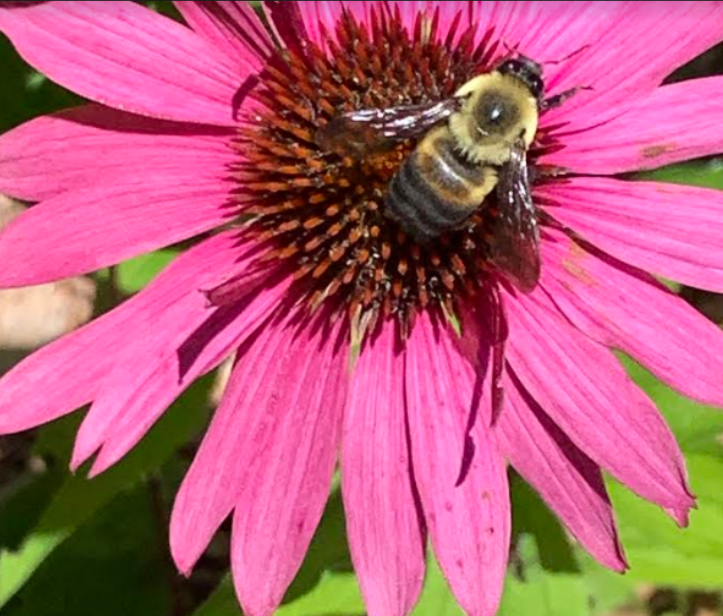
(367, 131)
(515, 243)
(500, 333)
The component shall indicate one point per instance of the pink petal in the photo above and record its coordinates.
(569, 482)
(269, 452)
(469, 522)
(66, 374)
(94, 144)
(289, 465)
(643, 45)
(191, 341)
(585, 391)
(675, 231)
(676, 122)
(548, 31)
(85, 230)
(383, 520)
(320, 19)
(409, 10)
(545, 33)
(231, 27)
(287, 23)
(624, 309)
(128, 57)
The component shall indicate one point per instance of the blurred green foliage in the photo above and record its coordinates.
(136, 273)
(25, 94)
(69, 545)
(78, 500)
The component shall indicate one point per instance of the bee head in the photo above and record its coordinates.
(527, 71)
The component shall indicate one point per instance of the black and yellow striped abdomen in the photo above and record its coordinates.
(437, 188)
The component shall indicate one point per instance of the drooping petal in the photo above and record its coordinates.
(289, 464)
(85, 230)
(383, 520)
(466, 504)
(627, 310)
(671, 230)
(676, 122)
(584, 389)
(67, 373)
(126, 56)
(659, 37)
(569, 482)
(232, 27)
(91, 144)
(270, 453)
(191, 341)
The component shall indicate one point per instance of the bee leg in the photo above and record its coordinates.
(542, 172)
(559, 99)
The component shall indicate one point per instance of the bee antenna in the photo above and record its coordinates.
(511, 51)
(568, 56)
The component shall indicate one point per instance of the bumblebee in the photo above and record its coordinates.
(468, 146)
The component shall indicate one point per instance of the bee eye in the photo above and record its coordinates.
(537, 87)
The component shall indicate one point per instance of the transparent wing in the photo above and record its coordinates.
(366, 131)
(515, 243)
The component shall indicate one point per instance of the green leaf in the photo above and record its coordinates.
(664, 567)
(545, 557)
(24, 93)
(136, 273)
(335, 594)
(543, 592)
(707, 174)
(117, 561)
(21, 510)
(54, 441)
(607, 589)
(326, 584)
(436, 598)
(328, 551)
(165, 8)
(530, 516)
(696, 427)
(222, 602)
(79, 499)
(659, 552)
(550, 594)
(545, 577)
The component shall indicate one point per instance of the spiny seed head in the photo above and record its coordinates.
(322, 213)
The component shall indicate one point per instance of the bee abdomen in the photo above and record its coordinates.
(436, 189)
(413, 203)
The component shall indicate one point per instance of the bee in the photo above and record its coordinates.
(468, 146)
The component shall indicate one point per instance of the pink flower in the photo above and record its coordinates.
(192, 126)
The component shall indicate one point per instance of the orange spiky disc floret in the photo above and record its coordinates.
(324, 214)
